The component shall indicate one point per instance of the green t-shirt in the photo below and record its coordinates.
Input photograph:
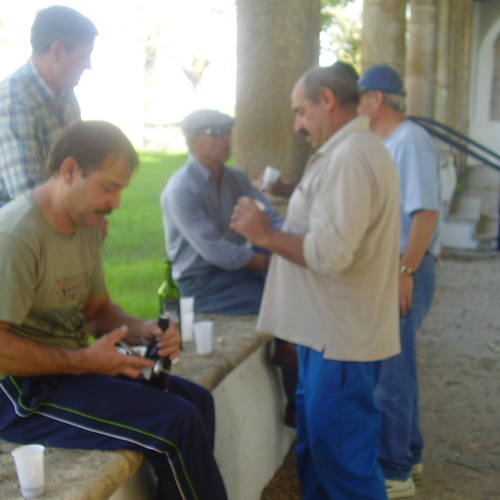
(46, 277)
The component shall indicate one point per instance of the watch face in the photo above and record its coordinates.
(405, 270)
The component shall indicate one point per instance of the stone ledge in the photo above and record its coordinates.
(235, 339)
(72, 474)
(96, 475)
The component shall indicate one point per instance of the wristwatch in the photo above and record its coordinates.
(407, 270)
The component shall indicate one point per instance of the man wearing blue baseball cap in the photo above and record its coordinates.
(417, 161)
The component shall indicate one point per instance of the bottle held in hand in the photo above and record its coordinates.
(158, 376)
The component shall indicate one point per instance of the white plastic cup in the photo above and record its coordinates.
(30, 471)
(187, 305)
(187, 318)
(187, 327)
(203, 336)
(270, 175)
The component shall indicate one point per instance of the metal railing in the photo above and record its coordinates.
(463, 144)
(459, 141)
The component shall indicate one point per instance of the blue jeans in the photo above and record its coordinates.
(225, 292)
(338, 429)
(397, 390)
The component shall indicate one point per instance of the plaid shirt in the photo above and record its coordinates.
(31, 118)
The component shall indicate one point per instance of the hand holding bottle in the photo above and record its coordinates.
(159, 375)
(169, 341)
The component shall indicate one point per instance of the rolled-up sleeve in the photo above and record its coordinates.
(339, 216)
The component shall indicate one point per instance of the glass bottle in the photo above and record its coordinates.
(168, 293)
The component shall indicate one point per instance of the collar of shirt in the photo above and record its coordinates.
(359, 123)
(45, 90)
(196, 168)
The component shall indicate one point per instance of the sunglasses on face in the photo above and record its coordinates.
(216, 132)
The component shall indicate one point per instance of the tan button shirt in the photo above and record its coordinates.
(345, 302)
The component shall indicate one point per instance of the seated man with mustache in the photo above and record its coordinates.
(56, 387)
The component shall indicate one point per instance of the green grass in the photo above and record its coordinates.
(134, 249)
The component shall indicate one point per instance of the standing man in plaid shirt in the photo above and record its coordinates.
(37, 101)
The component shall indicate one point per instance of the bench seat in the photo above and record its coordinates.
(251, 438)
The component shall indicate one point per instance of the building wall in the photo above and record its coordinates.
(484, 103)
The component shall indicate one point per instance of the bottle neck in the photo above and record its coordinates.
(167, 271)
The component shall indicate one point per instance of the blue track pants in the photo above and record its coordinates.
(174, 430)
(338, 429)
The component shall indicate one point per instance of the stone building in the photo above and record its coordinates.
(447, 50)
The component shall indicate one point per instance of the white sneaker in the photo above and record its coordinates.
(400, 489)
(417, 471)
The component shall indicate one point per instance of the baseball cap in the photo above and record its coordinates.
(203, 120)
(383, 78)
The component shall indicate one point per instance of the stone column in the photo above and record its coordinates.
(442, 95)
(277, 41)
(459, 56)
(421, 61)
(462, 35)
(383, 36)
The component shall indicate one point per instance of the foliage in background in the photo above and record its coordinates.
(341, 32)
(134, 249)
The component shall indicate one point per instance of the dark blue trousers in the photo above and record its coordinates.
(338, 429)
(174, 430)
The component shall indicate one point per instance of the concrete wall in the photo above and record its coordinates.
(251, 439)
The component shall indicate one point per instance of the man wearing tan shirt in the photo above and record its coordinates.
(332, 286)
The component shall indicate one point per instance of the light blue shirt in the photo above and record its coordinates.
(196, 217)
(417, 161)
(31, 118)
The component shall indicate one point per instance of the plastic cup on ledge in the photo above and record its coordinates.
(30, 469)
(203, 336)
(187, 327)
(187, 318)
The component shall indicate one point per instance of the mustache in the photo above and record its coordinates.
(104, 211)
(304, 133)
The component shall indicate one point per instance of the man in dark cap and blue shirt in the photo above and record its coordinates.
(417, 161)
(212, 263)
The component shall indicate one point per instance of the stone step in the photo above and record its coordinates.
(465, 227)
(487, 233)
(459, 224)
(463, 209)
